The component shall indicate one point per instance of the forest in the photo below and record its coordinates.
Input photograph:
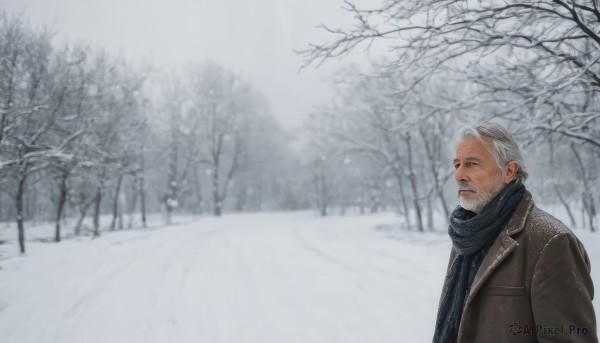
(86, 135)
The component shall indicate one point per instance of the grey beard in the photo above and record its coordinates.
(475, 205)
(484, 196)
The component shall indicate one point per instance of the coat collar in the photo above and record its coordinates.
(502, 246)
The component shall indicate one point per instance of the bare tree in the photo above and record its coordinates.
(218, 99)
(532, 64)
(33, 136)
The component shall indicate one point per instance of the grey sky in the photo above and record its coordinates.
(254, 38)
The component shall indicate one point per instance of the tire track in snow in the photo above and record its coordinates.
(175, 256)
(321, 253)
(318, 252)
(84, 300)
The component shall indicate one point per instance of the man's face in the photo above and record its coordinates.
(476, 173)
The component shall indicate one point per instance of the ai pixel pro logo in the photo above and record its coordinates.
(546, 330)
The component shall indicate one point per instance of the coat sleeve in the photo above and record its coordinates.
(562, 292)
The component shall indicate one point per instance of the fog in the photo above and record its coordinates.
(276, 171)
(253, 38)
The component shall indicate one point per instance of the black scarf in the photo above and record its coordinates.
(471, 236)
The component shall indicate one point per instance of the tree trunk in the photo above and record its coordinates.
(113, 223)
(566, 205)
(413, 182)
(321, 188)
(399, 180)
(215, 183)
(62, 199)
(97, 202)
(3, 115)
(587, 197)
(2, 210)
(440, 194)
(143, 202)
(590, 208)
(133, 204)
(361, 200)
(142, 193)
(19, 207)
(374, 201)
(395, 166)
(172, 186)
(259, 194)
(82, 213)
(198, 190)
(429, 213)
(432, 150)
(120, 214)
(31, 208)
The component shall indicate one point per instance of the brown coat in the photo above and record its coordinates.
(533, 285)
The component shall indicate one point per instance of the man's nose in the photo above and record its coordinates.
(460, 174)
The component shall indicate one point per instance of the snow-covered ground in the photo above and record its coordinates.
(277, 277)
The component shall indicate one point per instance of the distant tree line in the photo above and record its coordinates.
(85, 134)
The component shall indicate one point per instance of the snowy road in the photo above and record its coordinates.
(241, 278)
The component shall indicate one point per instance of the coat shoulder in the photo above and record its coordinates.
(542, 226)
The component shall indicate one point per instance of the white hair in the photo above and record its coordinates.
(504, 148)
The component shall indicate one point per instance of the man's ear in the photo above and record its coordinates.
(510, 171)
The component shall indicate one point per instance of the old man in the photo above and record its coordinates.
(516, 273)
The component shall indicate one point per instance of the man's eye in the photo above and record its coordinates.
(456, 166)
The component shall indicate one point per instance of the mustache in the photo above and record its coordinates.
(465, 186)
